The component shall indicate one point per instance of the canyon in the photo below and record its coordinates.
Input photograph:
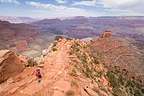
(79, 56)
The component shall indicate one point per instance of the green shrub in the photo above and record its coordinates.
(122, 86)
(31, 63)
(113, 79)
(54, 49)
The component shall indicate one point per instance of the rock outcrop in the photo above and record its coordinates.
(106, 34)
(10, 65)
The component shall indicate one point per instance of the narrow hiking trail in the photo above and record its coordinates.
(56, 69)
(55, 81)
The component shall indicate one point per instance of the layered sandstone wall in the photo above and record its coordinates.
(10, 65)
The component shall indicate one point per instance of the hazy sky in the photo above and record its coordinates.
(66, 8)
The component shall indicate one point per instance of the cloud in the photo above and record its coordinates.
(86, 3)
(61, 1)
(10, 1)
(41, 5)
(59, 10)
(132, 7)
(119, 3)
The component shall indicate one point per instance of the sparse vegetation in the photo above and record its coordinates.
(54, 46)
(54, 49)
(85, 63)
(31, 63)
(123, 86)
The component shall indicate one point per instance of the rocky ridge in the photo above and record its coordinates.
(70, 69)
(57, 78)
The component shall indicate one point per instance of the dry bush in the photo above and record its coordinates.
(70, 93)
(31, 63)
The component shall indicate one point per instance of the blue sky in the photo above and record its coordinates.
(69, 8)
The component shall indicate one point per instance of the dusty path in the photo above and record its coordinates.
(55, 81)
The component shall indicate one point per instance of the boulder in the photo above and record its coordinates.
(10, 65)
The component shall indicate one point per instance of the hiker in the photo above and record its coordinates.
(38, 74)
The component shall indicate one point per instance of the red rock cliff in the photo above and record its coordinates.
(10, 65)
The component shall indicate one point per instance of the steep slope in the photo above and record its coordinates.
(70, 69)
(58, 78)
(10, 33)
(119, 53)
(10, 65)
(23, 38)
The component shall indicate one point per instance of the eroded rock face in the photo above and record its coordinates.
(12, 33)
(21, 45)
(120, 54)
(10, 65)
